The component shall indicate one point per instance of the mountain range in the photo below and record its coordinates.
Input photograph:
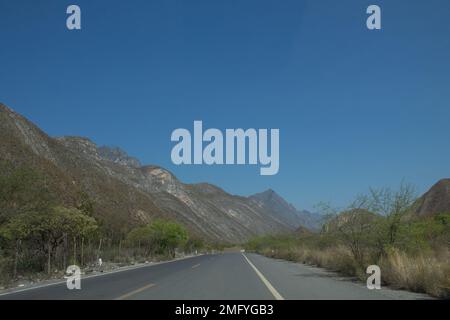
(127, 193)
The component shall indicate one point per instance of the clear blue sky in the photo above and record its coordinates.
(355, 108)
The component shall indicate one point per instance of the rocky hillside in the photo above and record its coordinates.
(434, 201)
(119, 156)
(127, 194)
(280, 209)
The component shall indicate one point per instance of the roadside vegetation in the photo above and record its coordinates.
(40, 236)
(378, 228)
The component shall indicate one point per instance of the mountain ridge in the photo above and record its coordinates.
(128, 193)
(273, 202)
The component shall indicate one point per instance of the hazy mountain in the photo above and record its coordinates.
(127, 194)
(280, 209)
(434, 201)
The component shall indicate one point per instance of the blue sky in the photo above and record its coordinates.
(355, 108)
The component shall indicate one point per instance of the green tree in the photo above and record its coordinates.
(140, 237)
(167, 236)
(159, 237)
(48, 228)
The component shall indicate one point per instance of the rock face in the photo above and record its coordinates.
(434, 201)
(127, 194)
(280, 209)
(119, 156)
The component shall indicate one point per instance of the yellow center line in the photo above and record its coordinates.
(195, 266)
(132, 293)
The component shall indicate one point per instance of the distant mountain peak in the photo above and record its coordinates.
(271, 196)
(273, 202)
(269, 193)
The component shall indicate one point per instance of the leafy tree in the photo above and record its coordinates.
(140, 237)
(167, 236)
(160, 237)
(47, 229)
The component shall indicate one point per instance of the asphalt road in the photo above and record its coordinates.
(228, 276)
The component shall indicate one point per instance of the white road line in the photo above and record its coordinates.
(269, 286)
(197, 265)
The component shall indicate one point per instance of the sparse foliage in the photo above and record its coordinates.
(376, 228)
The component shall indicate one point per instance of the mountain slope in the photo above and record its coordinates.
(280, 209)
(127, 194)
(434, 201)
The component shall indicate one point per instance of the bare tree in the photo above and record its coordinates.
(371, 221)
(393, 205)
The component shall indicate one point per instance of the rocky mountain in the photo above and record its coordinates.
(434, 201)
(280, 209)
(117, 155)
(127, 194)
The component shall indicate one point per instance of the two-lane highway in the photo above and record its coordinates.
(228, 276)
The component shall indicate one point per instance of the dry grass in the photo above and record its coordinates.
(336, 259)
(423, 273)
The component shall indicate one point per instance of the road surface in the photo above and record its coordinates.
(228, 276)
